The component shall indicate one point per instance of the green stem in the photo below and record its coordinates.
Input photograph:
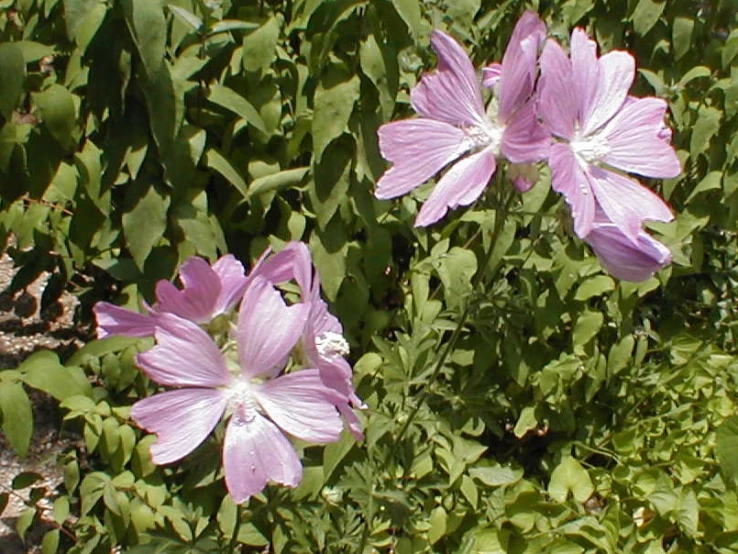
(476, 281)
(236, 528)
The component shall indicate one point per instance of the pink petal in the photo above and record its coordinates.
(519, 64)
(460, 186)
(636, 140)
(267, 329)
(491, 75)
(569, 179)
(300, 404)
(254, 453)
(230, 273)
(181, 419)
(451, 93)
(556, 103)
(525, 140)
(352, 421)
(199, 295)
(614, 79)
(418, 149)
(114, 320)
(585, 72)
(292, 262)
(627, 203)
(623, 259)
(184, 355)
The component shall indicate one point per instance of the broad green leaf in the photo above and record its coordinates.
(681, 35)
(463, 11)
(570, 477)
(497, 475)
(259, 47)
(587, 326)
(56, 108)
(228, 25)
(646, 15)
(619, 355)
(526, 422)
(409, 11)
(697, 72)
(334, 101)
(594, 286)
(145, 221)
(278, 181)
(331, 179)
(216, 161)
(437, 520)
(83, 18)
(727, 447)
(34, 51)
(50, 542)
(230, 100)
(730, 48)
(456, 269)
(688, 513)
(12, 76)
(711, 181)
(148, 26)
(17, 416)
(380, 65)
(44, 372)
(188, 17)
(706, 126)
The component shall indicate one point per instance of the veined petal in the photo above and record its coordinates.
(557, 105)
(254, 453)
(452, 92)
(569, 179)
(198, 298)
(491, 75)
(460, 186)
(267, 329)
(292, 262)
(418, 149)
(635, 138)
(300, 404)
(519, 64)
(233, 282)
(627, 203)
(616, 71)
(184, 355)
(585, 72)
(114, 320)
(624, 259)
(525, 140)
(181, 419)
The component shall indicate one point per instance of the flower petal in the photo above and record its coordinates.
(451, 93)
(181, 419)
(525, 140)
(556, 104)
(623, 259)
(300, 404)
(585, 72)
(254, 453)
(491, 75)
(199, 295)
(635, 138)
(569, 179)
(184, 355)
(519, 64)
(614, 79)
(627, 203)
(267, 329)
(114, 320)
(418, 149)
(233, 282)
(460, 186)
(292, 262)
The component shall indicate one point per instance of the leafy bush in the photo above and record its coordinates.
(519, 398)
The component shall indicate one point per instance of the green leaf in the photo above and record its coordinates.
(711, 181)
(228, 25)
(277, 181)
(619, 355)
(34, 51)
(594, 286)
(497, 475)
(83, 18)
(216, 161)
(681, 35)
(587, 326)
(12, 77)
(707, 124)
(437, 520)
(50, 542)
(727, 447)
(145, 221)
(380, 65)
(730, 48)
(148, 27)
(646, 15)
(688, 513)
(570, 477)
(230, 100)
(17, 416)
(409, 11)
(43, 371)
(526, 422)
(456, 269)
(334, 101)
(56, 108)
(188, 17)
(259, 47)
(697, 72)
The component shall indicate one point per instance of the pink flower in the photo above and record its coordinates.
(454, 127)
(620, 257)
(261, 405)
(322, 341)
(584, 102)
(206, 293)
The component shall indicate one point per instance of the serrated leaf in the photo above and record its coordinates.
(17, 416)
(570, 477)
(145, 222)
(12, 77)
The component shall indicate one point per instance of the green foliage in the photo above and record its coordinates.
(519, 399)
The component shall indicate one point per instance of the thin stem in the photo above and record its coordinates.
(236, 528)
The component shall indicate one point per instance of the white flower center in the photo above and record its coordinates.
(331, 345)
(486, 136)
(590, 149)
(241, 401)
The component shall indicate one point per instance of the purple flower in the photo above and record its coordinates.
(454, 127)
(584, 102)
(206, 293)
(322, 341)
(261, 405)
(620, 257)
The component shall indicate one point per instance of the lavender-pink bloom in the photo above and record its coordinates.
(455, 127)
(207, 291)
(261, 404)
(620, 257)
(584, 102)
